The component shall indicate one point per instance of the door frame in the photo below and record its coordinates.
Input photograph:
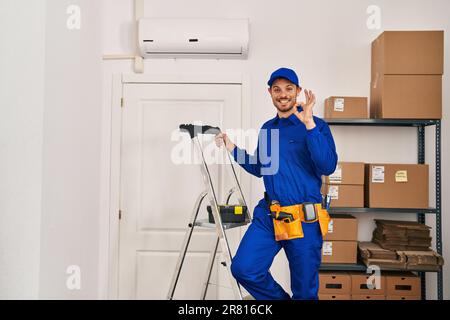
(110, 177)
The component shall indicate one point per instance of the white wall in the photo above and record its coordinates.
(21, 115)
(71, 151)
(327, 43)
(50, 136)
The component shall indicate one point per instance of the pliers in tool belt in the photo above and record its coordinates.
(278, 214)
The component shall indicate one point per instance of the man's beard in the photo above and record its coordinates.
(285, 109)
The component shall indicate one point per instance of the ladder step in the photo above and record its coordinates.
(219, 285)
(206, 224)
(245, 294)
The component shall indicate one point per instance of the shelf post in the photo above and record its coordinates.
(420, 216)
(440, 281)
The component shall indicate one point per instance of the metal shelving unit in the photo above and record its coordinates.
(383, 210)
(420, 124)
(356, 267)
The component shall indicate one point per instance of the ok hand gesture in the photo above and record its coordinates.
(306, 116)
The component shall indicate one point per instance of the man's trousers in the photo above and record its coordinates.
(258, 248)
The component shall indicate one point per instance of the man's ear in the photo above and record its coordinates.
(270, 90)
(299, 90)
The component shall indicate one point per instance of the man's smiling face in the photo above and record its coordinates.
(284, 94)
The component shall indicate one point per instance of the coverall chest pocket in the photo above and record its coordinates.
(296, 147)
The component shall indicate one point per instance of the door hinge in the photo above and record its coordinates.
(120, 214)
(121, 102)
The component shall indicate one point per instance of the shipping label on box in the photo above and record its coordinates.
(333, 191)
(330, 226)
(336, 176)
(339, 104)
(327, 248)
(378, 174)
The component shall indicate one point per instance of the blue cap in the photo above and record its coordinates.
(285, 73)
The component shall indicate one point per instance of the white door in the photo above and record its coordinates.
(158, 192)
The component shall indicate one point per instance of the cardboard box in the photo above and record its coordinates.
(339, 252)
(385, 264)
(346, 195)
(370, 250)
(406, 97)
(334, 283)
(404, 235)
(408, 52)
(367, 297)
(335, 297)
(342, 227)
(346, 173)
(396, 186)
(346, 108)
(345, 185)
(422, 260)
(372, 254)
(360, 285)
(402, 297)
(406, 75)
(402, 284)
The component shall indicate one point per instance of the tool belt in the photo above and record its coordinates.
(287, 220)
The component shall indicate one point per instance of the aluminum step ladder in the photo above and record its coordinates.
(221, 239)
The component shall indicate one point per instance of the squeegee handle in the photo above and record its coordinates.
(194, 130)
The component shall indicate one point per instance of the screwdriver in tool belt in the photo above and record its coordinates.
(326, 202)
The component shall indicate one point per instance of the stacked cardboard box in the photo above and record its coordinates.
(346, 108)
(402, 235)
(422, 260)
(363, 288)
(345, 185)
(340, 244)
(373, 255)
(406, 75)
(335, 285)
(396, 186)
(402, 286)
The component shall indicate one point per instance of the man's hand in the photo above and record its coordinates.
(222, 139)
(306, 116)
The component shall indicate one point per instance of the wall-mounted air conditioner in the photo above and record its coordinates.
(193, 38)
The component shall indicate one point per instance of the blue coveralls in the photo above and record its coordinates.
(304, 156)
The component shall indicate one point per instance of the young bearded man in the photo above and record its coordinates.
(291, 215)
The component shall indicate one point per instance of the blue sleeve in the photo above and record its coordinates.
(250, 163)
(321, 146)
